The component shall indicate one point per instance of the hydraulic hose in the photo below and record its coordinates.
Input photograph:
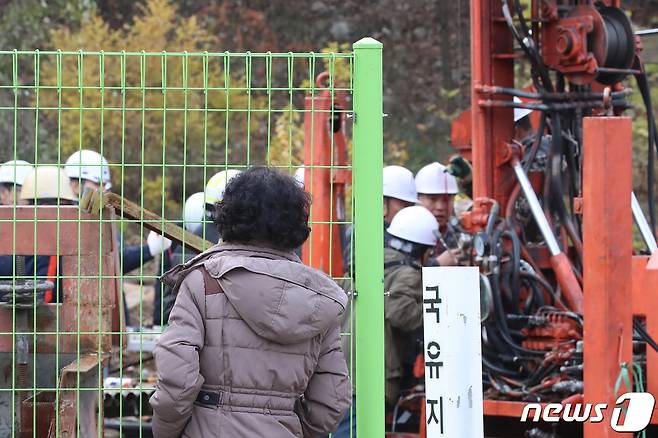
(561, 265)
(516, 266)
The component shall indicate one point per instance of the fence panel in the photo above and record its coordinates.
(80, 301)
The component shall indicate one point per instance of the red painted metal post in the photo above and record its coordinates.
(607, 229)
(491, 63)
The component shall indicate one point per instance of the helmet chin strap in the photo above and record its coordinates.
(401, 245)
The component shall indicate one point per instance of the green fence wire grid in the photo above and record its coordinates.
(81, 364)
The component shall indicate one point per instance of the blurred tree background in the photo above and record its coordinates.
(426, 73)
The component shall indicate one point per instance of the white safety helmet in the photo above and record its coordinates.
(415, 224)
(434, 179)
(90, 166)
(14, 172)
(520, 113)
(217, 184)
(399, 184)
(194, 211)
(299, 176)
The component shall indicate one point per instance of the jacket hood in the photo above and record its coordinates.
(280, 298)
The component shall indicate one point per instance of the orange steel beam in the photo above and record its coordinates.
(324, 148)
(607, 232)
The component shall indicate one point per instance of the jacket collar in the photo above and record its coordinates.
(174, 277)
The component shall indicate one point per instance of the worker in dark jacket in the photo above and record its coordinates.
(436, 191)
(253, 343)
(413, 235)
(89, 170)
(399, 190)
(43, 185)
(198, 212)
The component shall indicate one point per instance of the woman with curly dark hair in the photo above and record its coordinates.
(253, 343)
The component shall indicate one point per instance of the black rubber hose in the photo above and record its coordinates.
(516, 267)
(519, 14)
(534, 56)
(637, 325)
(555, 164)
(536, 297)
(548, 174)
(556, 192)
(532, 154)
(501, 320)
(534, 277)
(497, 342)
(499, 310)
(498, 370)
(493, 215)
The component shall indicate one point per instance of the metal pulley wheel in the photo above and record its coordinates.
(619, 41)
(607, 54)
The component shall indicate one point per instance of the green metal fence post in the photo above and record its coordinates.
(369, 237)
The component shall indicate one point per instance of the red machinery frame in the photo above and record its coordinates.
(89, 313)
(617, 285)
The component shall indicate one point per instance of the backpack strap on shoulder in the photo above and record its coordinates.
(211, 284)
(403, 262)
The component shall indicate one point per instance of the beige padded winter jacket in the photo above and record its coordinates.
(252, 348)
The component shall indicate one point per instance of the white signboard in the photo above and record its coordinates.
(453, 358)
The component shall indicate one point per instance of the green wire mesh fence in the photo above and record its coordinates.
(80, 302)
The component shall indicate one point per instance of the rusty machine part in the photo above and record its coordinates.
(21, 295)
(588, 43)
(553, 331)
(71, 338)
(22, 292)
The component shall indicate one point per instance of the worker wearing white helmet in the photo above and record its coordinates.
(399, 191)
(194, 211)
(12, 175)
(436, 191)
(413, 235)
(88, 170)
(194, 216)
(299, 176)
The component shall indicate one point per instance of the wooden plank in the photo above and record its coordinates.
(130, 210)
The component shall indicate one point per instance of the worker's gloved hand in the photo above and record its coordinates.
(449, 257)
(459, 167)
(157, 243)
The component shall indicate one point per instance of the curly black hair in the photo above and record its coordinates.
(264, 206)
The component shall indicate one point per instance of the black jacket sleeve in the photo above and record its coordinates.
(135, 256)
